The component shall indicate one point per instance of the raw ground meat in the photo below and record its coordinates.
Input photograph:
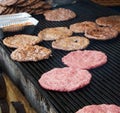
(103, 108)
(86, 59)
(65, 79)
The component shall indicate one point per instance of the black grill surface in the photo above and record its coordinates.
(105, 84)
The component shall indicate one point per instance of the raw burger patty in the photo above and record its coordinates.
(81, 27)
(71, 43)
(30, 53)
(101, 33)
(60, 14)
(54, 33)
(65, 79)
(86, 59)
(103, 108)
(21, 40)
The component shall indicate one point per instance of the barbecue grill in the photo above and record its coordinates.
(105, 83)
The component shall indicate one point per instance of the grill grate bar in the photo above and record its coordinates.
(107, 88)
(110, 84)
(63, 103)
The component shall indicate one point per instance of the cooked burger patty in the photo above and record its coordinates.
(65, 79)
(116, 27)
(2, 9)
(21, 40)
(7, 2)
(108, 21)
(30, 53)
(101, 33)
(71, 43)
(60, 14)
(54, 33)
(86, 59)
(81, 27)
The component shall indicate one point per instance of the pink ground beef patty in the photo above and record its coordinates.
(103, 108)
(65, 79)
(86, 59)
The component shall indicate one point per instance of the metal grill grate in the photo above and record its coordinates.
(105, 84)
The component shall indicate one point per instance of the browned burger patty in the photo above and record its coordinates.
(101, 33)
(20, 2)
(26, 3)
(7, 2)
(21, 40)
(54, 33)
(108, 21)
(30, 53)
(116, 27)
(116, 17)
(81, 27)
(2, 9)
(37, 5)
(60, 14)
(71, 43)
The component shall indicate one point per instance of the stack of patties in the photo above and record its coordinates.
(30, 6)
(26, 48)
